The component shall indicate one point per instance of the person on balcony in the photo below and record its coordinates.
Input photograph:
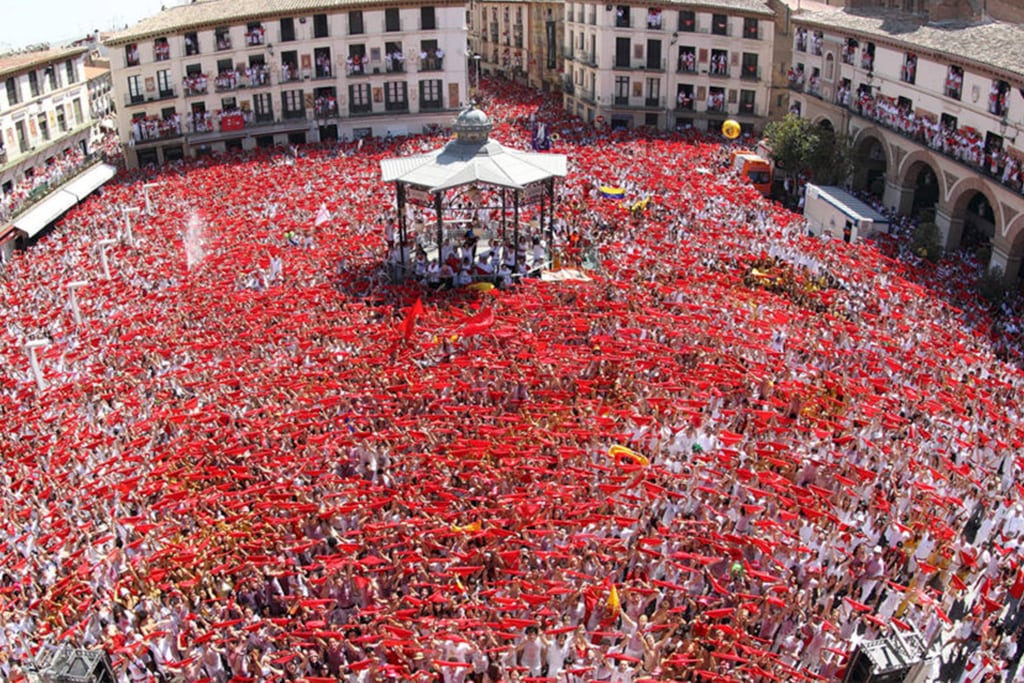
(323, 66)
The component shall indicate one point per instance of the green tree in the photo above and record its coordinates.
(927, 241)
(801, 146)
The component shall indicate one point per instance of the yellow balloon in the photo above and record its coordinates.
(731, 129)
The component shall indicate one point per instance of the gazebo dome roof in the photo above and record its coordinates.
(472, 126)
(472, 158)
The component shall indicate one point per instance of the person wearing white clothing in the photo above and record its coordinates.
(531, 650)
(557, 652)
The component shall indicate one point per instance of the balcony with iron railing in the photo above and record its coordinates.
(207, 125)
(290, 73)
(31, 190)
(750, 73)
(226, 81)
(795, 79)
(325, 109)
(394, 63)
(624, 102)
(964, 145)
(194, 86)
(718, 70)
(256, 36)
(357, 65)
(685, 102)
(431, 60)
(165, 94)
(257, 76)
(152, 129)
(638, 64)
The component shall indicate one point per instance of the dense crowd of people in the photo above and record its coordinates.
(732, 454)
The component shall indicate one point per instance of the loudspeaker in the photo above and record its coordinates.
(70, 665)
(876, 662)
(894, 659)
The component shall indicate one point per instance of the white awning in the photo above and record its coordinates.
(86, 183)
(45, 212)
(56, 203)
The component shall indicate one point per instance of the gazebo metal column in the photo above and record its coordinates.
(504, 211)
(551, 216)
(402, 227)
(515, 217)
(440, 222)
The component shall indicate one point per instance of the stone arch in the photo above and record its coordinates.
(973, 200)
(1013, 233)
(920, 172)
(873, 161)
(1008, 250)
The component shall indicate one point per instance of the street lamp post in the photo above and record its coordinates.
(476, 68)
(73, 299)
(104, 263)
(33, 361)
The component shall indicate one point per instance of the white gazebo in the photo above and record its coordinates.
(473, 160)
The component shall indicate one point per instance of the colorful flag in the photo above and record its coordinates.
(613, 604)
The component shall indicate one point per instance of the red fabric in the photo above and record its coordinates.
(478, 324)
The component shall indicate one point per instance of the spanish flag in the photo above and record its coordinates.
(627, 456)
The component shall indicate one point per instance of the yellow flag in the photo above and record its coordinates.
(613, 601)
